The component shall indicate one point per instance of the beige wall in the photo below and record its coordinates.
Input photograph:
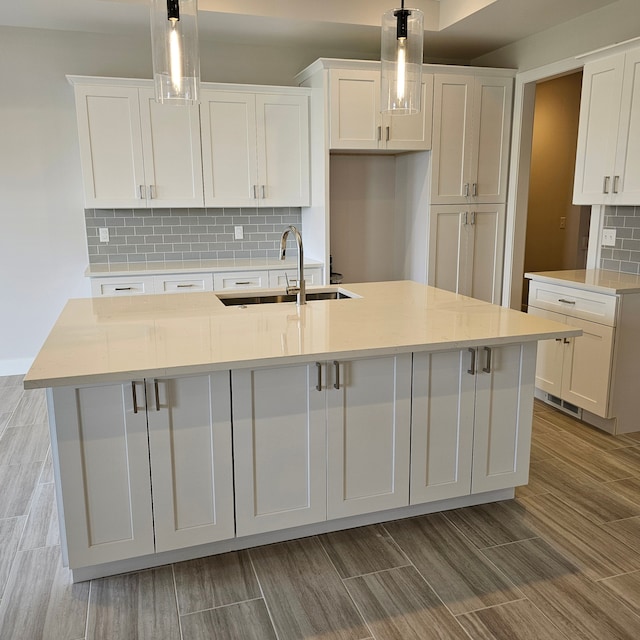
(612, 24)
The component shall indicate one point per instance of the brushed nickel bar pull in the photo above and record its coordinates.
(123, 288)
(319, 370)
(487, 368)
(566, 301)
(466, 189)
(255, 191)
(245, 282)
(558, 339)
(336, 384)
(473, 217)
(605, 186)
(184, 286)
(466, 214)
(567, 341)
(472, 370)
(388, 133)
(474, 189)
(379, 133)
(135, 397)
(141, 192)
(264, 194)
(616, 183)
(157, 392)
(152, 191)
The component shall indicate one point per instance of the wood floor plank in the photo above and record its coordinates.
(600, 502)
(586, 544)
(10, 532)
(491, 524)
(9, 398)
(521, 620)
(243, 621)
(579, 607)
(46, 475)
(629, 456)
(135, 606)
(626, 588)
(11, 381)
(304, 593)
(355, 552)
(24, 444)
(210, 582)
(31, 409)
(398, 604)
(539, 453)
(18, 482)
(40, 601)
(627, 531)
(585, 432)
(42, 528)
(458, 573)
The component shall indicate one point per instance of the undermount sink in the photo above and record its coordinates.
(236, 299)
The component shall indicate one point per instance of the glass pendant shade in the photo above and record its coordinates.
(401, 61)
(174, 44)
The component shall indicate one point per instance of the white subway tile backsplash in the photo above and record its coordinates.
(139, 235)
(625, 256)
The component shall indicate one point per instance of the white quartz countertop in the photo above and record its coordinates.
(600, 280)
(119, 339)
(194, 266)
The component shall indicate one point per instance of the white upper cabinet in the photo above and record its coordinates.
(471, 126)
(608, 151)
(136, 153)
(255, 149)
(356, 120)
(466, 249)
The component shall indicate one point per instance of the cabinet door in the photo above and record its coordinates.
(282, 129)
(279, 439)
(627, 167)
(452, 137)
(413, 133)
(503, 416)
(229, 151)
(368, 435)
(441, 426)
(191, 460)
(172, 155)
(110, 146)
(598, 130)
(491, 118)
(587, 367)
(447, 247)
(355, 121)
(101, 435)
(550, 356)
(485, 241)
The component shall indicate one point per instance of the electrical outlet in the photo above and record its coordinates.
(238, 232)
(608, 237)
(563, 222)
(104, 234)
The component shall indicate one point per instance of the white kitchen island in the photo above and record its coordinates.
(182, 427)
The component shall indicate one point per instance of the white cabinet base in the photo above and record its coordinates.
(246, 542)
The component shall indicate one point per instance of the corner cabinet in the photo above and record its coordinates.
(471, 420)
(356, 121)
(255, 148)
(608, 150)
(111, 463)
(466, 249)
(136, 153)
(471, 129)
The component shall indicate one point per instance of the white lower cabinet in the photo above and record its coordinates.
(471, 420)
(107, 480)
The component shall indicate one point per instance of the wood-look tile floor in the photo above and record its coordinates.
(560, 561)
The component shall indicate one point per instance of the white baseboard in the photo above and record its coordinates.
(19, 366)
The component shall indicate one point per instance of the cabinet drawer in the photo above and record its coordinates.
(578, 303)
(121, 286)
(183, 283)
(241, 280)
(278, 278)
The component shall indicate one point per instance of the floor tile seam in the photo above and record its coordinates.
(220, 606)
(619, 575)
(492, 606)
(373, 573)
(264, 598)
(86, 621)
(3, 589)
(614, 593)
(504, 544)
(344, 586)
(175, 595)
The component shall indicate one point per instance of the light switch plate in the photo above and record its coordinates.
(608, 237)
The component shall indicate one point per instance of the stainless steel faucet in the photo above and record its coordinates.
(300, 290)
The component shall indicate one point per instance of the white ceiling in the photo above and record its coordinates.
(455, 29)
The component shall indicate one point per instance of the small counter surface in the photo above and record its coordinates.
(194, 266)
(600, 280)
(117, 339)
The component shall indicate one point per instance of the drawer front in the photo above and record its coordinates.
(278, 277)
(121, 286)
(241, 280)
(577, 303)
(183, 283)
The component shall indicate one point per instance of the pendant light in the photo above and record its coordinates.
(174, 45)
(401, 61)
